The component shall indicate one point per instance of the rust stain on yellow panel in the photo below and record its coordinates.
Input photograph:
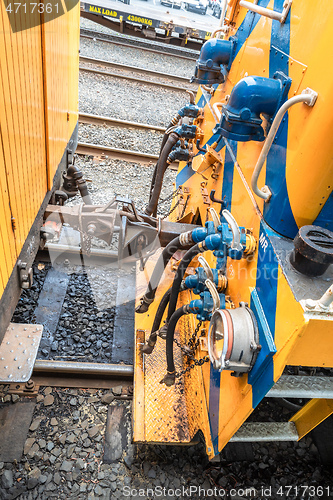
(169, 413)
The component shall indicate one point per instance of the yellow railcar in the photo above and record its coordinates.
(39, 65)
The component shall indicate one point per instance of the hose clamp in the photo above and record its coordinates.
(185, 239)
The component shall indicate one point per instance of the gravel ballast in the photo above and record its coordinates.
(109, 96)
(109, 177)
(145, 141)
(63, 459)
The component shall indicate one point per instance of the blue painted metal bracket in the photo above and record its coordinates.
(261, 375)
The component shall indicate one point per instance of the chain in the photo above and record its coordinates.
(184, 207)
(171, 210)
(170, 196)
(190, 349)
(176, 205)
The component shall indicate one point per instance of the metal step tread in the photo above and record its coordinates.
(300, 386)
(266, 431)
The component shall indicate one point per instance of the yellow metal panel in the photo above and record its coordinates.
(61, 57)
(311, 415)
(7, 246)
(313, 346)
(73, 29)
(11, 129)
(310, 150)
(56, 88)
(23, 162)
(289, 324)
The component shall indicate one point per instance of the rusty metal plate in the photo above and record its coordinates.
(18, 352)
(117, 433)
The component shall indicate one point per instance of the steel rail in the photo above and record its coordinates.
(135, 79)
(105, 120)
(146, 49)
(83, 368)
(76, 250)
(120, 154)
(151, 72)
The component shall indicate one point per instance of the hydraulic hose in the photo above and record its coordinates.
(162, 165)
(169, 379)
(160, 310)
(164, 140)
(184, 263)
(149, 346)
(183, 241)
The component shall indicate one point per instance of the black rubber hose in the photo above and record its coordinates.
(165, 138)
(158, 271)
(160, 310)
(149, 346)
(184, 263)
(170, 336)
(160, 265)
(162, 165)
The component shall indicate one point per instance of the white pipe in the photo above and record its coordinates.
(215, 217)
(323, 303)
(216, 109)
(223, 12)
(327, 299)
(204, 264)
(272, 14)
(236, 235)
(214, 293)
(308, 97)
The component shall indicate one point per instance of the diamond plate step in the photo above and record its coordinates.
(266, 431)
(160, 413)
(18, 352)
(289, 386)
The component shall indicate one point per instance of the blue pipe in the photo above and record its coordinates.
(214, 61)
(251, 97)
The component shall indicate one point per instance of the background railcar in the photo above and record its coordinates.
(39, 69)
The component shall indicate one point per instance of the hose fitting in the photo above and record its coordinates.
(144, 305)
(186, 238)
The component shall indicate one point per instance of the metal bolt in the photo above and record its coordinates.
(29, 385)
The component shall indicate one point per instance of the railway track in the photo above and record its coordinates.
(137, 79)
(105, 120)
(119, 154)
(111, 64)
(102, 37)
